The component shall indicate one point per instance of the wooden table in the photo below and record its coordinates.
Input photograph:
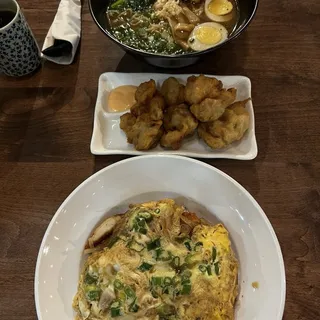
(46, 122)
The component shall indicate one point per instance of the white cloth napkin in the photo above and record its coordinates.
(66, 26)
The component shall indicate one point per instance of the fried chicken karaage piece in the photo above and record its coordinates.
(178, 122)
(211, 109)
(201, 87)
(230, 127)
(145, 92)
(143, 132)
(156, 107)
(172, 91)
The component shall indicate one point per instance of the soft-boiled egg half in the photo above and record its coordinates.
(218, 10)
(207, 35)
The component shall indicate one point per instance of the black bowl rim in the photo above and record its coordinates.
(176, 56)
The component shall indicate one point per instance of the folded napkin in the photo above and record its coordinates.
(61, 42)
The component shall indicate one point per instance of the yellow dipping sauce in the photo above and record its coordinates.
(208, 35)
(121, 98)
(220, 7)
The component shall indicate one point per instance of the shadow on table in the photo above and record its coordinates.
(229, 59)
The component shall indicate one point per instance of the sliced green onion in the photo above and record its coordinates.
(89, 279)
(141, 222)
(198, 246)
(214, 254)
(143, 230)
(115, 312)
(134, 245)
(186, 289)
(185, 280)
(153, 244)
(188, 245)
(134, 307)
(209, 270)
(117, 4)
(129, 292)
(163, 255)
(118, 284)
(203, 268)
(112, 242)
(145, 266)
(217, 268)
(93, 295)
(156, 281)
(157, 211)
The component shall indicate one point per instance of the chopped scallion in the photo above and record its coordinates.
(209, 270)
(186, 289)
(217, 268)
(188, 245)
(214, 254)
(153, 244)
(129, 292)
(89, 279)
(202, 268)
(198, 246)
(145, 266)
(118, 284)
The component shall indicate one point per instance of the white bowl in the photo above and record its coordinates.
(202, 189)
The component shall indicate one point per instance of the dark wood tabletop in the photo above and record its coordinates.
(46, 125)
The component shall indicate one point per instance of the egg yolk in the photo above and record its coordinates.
(208, 35)
(220, 7)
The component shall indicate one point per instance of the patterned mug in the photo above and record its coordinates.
(19, 52)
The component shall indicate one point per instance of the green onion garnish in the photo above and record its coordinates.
(134, 307)
(186, 289)
(217, 268)
(129, 292)
(153, 244)
(198, 246)
(145, 266)
(156, 281)
(157, 211)
(209, 270)
(118, 284)
(93, 295)
(202, 268)
(90, 279)
(214, 254)
(188, 246)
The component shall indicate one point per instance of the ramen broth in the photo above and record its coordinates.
(139, 26)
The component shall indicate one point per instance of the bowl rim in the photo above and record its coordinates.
(174, 56)
(195, 161)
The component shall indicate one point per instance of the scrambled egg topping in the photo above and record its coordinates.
(158, 261)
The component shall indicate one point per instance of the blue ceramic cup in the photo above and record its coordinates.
(19, 52)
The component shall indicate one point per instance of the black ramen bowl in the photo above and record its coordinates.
(98, 10)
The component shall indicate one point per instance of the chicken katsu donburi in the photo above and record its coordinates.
(158, 261)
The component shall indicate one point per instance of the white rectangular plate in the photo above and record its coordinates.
(108, 138)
